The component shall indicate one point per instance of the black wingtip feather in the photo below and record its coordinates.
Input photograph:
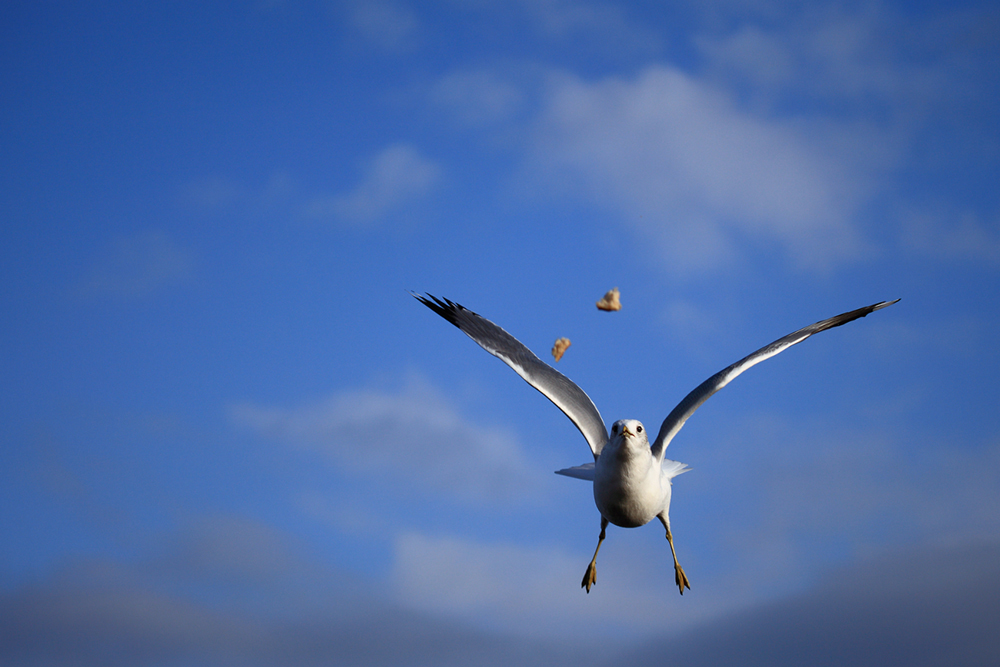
(444, 307)
(854, 314)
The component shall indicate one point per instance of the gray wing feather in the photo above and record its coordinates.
(555, 386)
(586, 471)
(675, 420)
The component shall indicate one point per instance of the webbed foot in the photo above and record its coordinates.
(590, 576)
(681, 579)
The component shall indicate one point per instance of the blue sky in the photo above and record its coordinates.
(232, 437)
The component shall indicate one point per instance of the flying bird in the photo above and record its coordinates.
(631, 478)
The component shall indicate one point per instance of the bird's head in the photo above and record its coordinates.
(629, 432)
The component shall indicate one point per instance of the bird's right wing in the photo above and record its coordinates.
(675, 420)
(558, 388)
(585, 471)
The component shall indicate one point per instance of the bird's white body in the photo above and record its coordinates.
(630, 486)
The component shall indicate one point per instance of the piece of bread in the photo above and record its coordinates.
(610, 301)
(560, 347)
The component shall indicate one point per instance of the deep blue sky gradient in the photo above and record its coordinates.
(231, 435)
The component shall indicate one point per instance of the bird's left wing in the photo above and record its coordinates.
(675, 420)
(558, 388)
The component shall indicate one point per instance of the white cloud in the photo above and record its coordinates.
(390, 26)
(230, 548)
(135, 266)
(457, 576)
(396, 177)
(208, 597)
(216, 193)
(915, 79)
(927, 606)
(599, 24)
(478, 97)
(413, 436)
(861, 60)
(763, 61)
(360, 519)
(576, 25)
(536, 590)
(954, 236)
(812, 493)
(211, 193)
(679, 161)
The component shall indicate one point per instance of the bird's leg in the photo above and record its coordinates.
(590, 576)
(679, 577)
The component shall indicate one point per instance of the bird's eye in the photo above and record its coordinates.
(638, 429)
(614, 429)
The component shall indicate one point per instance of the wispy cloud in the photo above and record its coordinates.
(850, 58)
(456, 576)
(200, 601)
(811, 491)
(679, 161)
(530, 590)
(478, 97)
(903, 87)
(782, 137)
(413, 435)
(919, 607)
(215, 193)
(597, 24)
(136, 266)
(205, 600)
(397, 176)
(229, 549)
(957, 236)
(390, 26)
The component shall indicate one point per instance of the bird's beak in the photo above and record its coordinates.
(625, 431)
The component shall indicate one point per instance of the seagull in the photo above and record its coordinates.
(631, 478)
